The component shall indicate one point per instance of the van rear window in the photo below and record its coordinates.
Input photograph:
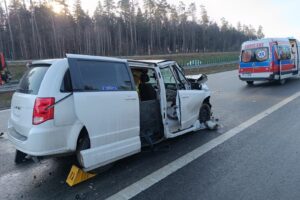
(255, 55)
(32, 79)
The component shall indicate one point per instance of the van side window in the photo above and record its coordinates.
(104, 76)
(66, 85)
(181, 79)
(168, 76)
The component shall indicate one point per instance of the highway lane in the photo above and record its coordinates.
(233, 103)
(262, 162)
(3, 120)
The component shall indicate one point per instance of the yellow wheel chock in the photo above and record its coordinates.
(77, 175)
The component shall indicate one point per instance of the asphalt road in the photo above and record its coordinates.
(260, 162)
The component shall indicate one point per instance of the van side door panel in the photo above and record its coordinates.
(107, 103)
(189, 102)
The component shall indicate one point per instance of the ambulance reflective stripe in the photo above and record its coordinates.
(255, 67)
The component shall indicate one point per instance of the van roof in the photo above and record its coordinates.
(80, 56)
(51, 61)
(155, 62)
(47, 61)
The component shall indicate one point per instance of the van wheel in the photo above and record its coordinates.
(282, 81)
(205, 113)
(82, 144)
(20, 157)
(250, 83)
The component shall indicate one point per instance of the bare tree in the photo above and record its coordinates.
(10, 32)
(117, 27)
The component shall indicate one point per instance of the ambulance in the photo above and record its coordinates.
(271, 59)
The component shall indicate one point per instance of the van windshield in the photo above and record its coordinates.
(32, 79)
(255, 55)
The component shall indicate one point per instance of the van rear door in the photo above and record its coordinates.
(107, 103)
(23, 99)
(255, 60)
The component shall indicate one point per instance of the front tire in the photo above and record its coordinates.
(205, 113)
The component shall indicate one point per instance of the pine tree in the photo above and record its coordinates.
(31, 29)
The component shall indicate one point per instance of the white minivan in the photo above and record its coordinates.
(104, 109)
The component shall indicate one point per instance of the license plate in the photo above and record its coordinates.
(246, 74)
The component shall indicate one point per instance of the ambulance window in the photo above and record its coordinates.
(285, 52)
(255, 55)
(261, 54)
(246, 56)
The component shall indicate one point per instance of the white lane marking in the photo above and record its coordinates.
(7, 110)
(153, 178)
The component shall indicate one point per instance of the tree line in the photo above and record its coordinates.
(34, 29)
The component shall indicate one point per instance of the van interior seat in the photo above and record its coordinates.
(147, 91)
(150, 121)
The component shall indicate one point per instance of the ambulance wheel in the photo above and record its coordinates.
(250, 82)
(205, 113)
(282, 81)
(83, 143)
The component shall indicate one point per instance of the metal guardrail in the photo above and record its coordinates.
(18, 61)
(10, 87)
(208, 60)
(209, 65)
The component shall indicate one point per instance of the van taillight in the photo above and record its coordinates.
(43, 110)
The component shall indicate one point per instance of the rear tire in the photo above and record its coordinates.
(83, 143)
(20, 157)
(282, 81)
(250, 83)
(205, 113)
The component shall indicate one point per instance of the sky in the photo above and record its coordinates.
(279, 18)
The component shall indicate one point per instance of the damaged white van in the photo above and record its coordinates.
(104, 109)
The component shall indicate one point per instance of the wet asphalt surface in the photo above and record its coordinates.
(261, 162)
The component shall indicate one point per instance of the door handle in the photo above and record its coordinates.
(185, 97)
